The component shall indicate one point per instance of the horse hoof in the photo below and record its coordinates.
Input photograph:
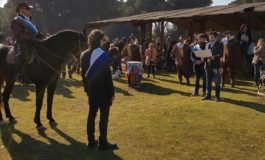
(53, 124)
(41, 128)
(13, 121)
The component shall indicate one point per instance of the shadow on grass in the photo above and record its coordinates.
(247, 89)
(22, 92)
(121, 80)
(158, 90)
(165, 74)
(63, 87)
(124, 92)
(238, 91)
(30, 148)
(169, 81)
(149, 80)
(251, 105)
(244, 82)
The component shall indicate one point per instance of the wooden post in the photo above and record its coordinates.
(162, 34)
(250, 14)
(142, 32)
(150, 31)
(191, 30)
(202, 26)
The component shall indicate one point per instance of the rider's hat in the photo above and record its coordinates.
(23, 5)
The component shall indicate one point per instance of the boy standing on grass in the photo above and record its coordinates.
(99, 87)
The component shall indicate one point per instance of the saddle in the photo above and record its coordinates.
(12, 56)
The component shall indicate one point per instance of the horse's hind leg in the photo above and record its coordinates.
(50, 95)
(39, 101)
(1, 116)
(1, 84)
(6, 96)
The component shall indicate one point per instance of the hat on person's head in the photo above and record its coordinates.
(23, 5)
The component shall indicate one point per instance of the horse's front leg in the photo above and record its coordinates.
(1, 118)
(50, 95)
(1, 84)
(6, 96)
(40, 90)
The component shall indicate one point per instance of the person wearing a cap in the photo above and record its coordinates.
(25, 34)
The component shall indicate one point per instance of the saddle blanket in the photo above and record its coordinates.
(11, 57)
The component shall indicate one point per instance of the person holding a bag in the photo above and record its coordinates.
(150, 61)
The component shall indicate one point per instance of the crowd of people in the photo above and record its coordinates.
(232, 53)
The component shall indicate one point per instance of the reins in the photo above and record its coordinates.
(50, 52)
(58, 71)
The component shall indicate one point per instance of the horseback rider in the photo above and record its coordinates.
(25, 33)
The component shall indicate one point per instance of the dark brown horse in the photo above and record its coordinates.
(43, 71)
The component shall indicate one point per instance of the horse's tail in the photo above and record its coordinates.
(3, 53)
(1, 84)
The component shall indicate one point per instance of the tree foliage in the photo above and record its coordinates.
(54, 15)
(246, 1)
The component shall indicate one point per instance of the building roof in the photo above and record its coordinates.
(219, 17)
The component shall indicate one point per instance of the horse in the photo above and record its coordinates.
(44, 71)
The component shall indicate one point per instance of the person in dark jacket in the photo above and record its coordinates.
(98, 85)
(131, 52)
(187, 63)
(213, 66)
(245, 38)
(198, 67)
(115, 58)
(233, 63)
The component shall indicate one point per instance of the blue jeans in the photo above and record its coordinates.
(210, 73)
(199, 73)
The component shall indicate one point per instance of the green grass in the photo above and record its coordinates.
(158, 121)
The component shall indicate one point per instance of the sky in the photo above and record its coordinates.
(215, 2)
(221, 2)
(2, 3)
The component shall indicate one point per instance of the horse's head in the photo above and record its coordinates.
(80, 44)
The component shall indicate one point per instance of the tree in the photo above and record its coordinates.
(142, 6)
(54, 15)
(246, 1)
(182, 4)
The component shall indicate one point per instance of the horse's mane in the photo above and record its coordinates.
(54, 36)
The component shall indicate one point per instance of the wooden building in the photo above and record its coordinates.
(195, 20)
